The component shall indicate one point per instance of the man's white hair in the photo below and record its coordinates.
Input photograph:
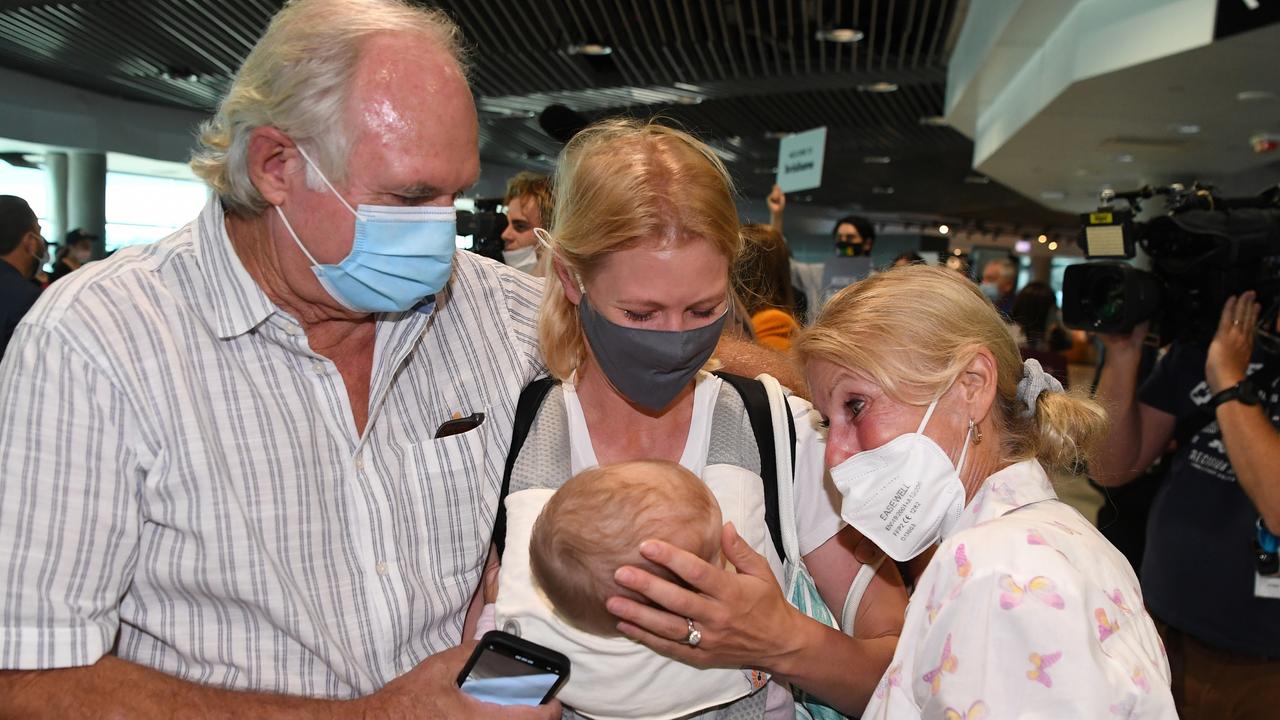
(297, 79)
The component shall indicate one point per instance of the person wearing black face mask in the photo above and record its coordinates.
(644, 236)
(854, 236)
(23, 251)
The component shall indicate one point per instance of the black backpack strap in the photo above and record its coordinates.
(756, 401)
(531, 399)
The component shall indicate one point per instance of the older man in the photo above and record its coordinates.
(999, 280)
(221, 481)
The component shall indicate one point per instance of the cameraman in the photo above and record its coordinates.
(1219, 620)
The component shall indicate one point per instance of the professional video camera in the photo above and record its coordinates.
(484, 227)
(1204, 250)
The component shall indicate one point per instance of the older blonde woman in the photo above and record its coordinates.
(645, 234)
(939, 433)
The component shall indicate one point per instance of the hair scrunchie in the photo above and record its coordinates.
(1035, 381)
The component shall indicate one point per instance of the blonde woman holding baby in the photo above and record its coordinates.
(644, 236)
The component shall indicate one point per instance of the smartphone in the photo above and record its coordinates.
(506, 670)
(457, 426)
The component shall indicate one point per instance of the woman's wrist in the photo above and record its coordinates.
(798, 635)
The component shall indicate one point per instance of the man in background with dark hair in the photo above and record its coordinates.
(23, 250)
(529, 205)
(854, 236)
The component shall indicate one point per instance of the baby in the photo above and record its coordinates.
(563, 547)
(595, 523)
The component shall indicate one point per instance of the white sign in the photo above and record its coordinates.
(800, 160)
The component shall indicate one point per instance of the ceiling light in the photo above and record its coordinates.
(592, 49)
(689, 99)
(935, 120)
(882, 189)
(1125, 158)
(1053, 245)
(1185, 129)
(943, 229)
(977, 179)
(877, 160)
(776, 134)
(1022, 246)
(1043, 239)
(1052, 194)
(879, 87)
(957, 251)
(839, 35)
(1255, 95)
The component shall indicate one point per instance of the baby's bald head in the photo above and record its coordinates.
(595, 523)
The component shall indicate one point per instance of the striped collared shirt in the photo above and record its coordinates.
(181, 478)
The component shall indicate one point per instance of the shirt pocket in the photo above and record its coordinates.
(452, 498)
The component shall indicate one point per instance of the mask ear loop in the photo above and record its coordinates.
(544, 238)
(324, 179)
(297, 241)
(964, 448)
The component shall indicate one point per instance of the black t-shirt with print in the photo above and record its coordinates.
(1198, 570)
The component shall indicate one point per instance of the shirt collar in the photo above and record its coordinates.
(239, 304)
(1016, 486)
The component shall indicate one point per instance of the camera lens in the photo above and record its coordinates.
(1104, 298)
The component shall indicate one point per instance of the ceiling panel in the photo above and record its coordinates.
(737, 71)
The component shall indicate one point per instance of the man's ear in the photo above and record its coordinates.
(978, 384)
(275, 165)
(568, 279)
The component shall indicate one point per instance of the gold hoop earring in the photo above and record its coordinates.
(977, 432)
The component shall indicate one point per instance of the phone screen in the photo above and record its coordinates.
(508, 679)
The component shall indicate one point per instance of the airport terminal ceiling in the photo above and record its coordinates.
(738, 72)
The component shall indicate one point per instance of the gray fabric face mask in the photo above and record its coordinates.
(649, 367)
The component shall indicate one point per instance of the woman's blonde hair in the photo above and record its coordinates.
(618, 184)
(297, 78)
(914, 329)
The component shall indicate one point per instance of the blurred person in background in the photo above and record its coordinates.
(23, 252)
(909, 257)
(76, 250)
(957, 262)
(999, 281)
(529, 206)
(1039, 331)
(763, 281)
(853, 235)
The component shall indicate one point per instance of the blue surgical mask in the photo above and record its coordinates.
(399, 256)
(991, 290)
